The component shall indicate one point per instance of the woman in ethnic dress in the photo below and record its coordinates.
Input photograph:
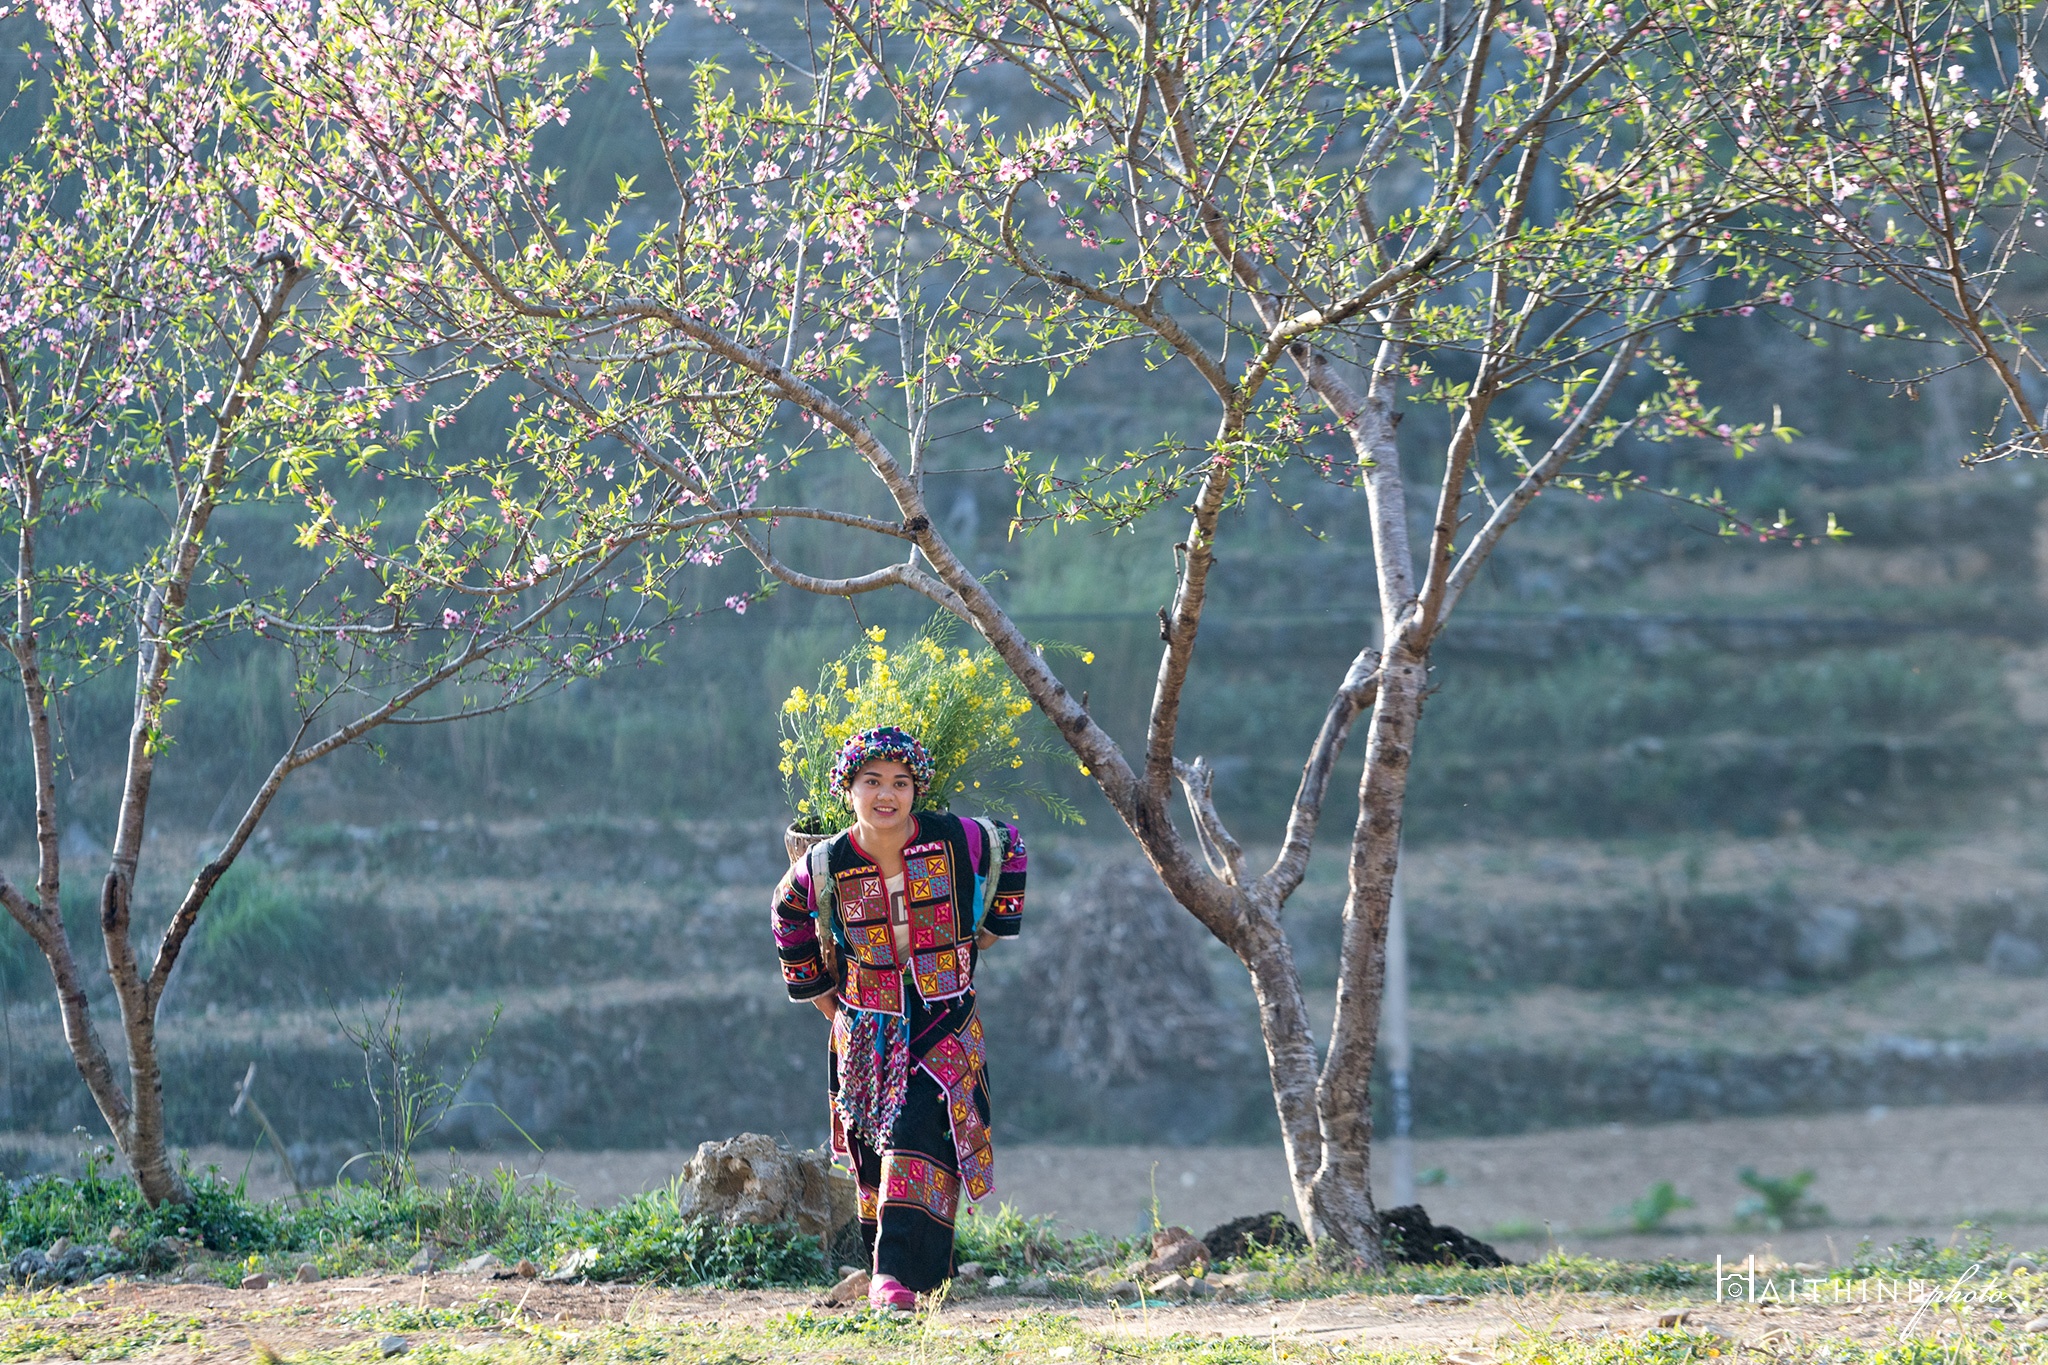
(907, 913)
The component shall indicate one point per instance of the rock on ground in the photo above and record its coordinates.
(1173, 1250)
(60, 1263)
(753, 1178)
(850, 1290)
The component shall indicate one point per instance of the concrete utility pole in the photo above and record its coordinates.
(1394, 1025)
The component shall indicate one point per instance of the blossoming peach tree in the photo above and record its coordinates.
(214, 439)
(918, 216)
(1902, 156)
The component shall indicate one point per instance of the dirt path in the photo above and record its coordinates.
(178, 1322)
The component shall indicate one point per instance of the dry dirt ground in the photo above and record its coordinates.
(1882, 1174)
(350, 1318)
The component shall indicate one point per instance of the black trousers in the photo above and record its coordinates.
(910, 1187)
(910, 1191)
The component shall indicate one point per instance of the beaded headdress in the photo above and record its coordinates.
(883, 742)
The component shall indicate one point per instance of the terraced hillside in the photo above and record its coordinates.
(638, 1006)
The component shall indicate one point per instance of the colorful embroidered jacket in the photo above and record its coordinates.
(944, 866)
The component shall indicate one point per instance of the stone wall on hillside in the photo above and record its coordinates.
(674, 1072)
(1764, 940)
(642, 1010)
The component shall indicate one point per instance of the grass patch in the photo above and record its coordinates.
(1007, 1242)
(1298, 1276)
(359, 1230)
(52, 1325)
(648, 1240)
(485, 1314)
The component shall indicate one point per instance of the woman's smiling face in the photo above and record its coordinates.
(882, 795)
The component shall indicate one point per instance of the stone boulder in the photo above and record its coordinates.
(61, 1263)
(852, 1289)
(1173, 1251)
(753, 1178)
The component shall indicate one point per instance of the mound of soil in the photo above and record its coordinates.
(1233, 1239)
(1410, 1236)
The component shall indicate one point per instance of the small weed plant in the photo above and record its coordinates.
(1658, 1203)
(410, 1096)
(649, 1240)
(1780, 1202)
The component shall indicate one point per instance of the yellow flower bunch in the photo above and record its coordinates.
(963, 705)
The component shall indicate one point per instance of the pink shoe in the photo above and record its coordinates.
(886, 1291)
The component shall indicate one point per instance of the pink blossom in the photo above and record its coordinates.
(736, 605)
(450, 618)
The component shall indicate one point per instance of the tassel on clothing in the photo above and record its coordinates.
(874, 1074)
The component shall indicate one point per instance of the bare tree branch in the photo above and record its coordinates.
(1353, 697)
(1224, 854)
(1182, 622)
(1540, 474)
(173, 940)
(1370, 422)
(16, 903)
